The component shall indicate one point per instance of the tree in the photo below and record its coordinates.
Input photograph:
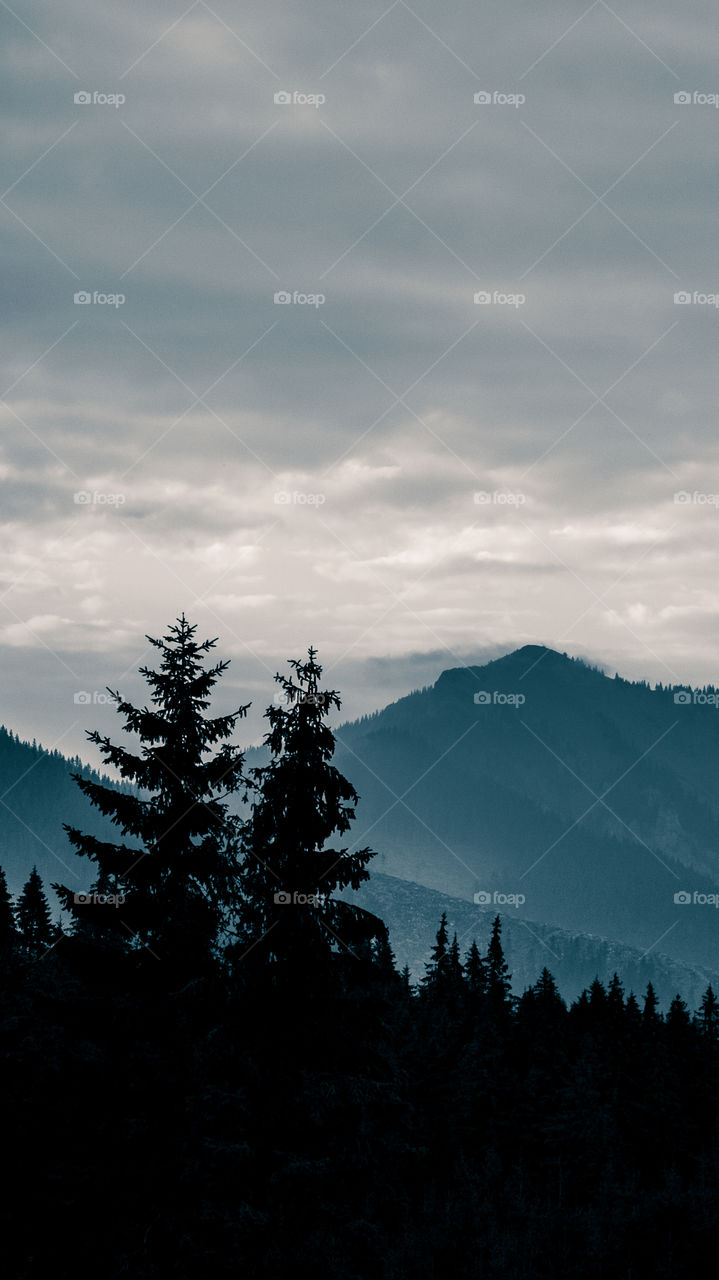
(8, 927)
(173, 891)
(499, 985)
(650, 1013)
(709, 1015)
(37, 933)
(475, 975)
(288, 873)
(436, 966)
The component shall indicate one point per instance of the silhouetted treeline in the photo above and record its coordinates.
(216, 1070)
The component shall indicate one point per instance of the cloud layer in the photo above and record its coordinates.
(382, 465)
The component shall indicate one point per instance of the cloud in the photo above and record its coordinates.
(184, 410)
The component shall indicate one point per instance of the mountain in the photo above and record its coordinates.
(537, 775)
(37, 795)
(412, 914)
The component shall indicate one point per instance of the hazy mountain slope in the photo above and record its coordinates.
(412, 914)
(37, 795)
(459, 797)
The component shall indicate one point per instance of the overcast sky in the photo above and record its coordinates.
(307, 472)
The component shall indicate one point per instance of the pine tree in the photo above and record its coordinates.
(406, 979)
(8, 928)
(454, 964)
(650, 1013)
(708, 1018)
(288, 873)
(499, 985)
(437, 964)
(34, 921)
(171, 893)
(475, 975)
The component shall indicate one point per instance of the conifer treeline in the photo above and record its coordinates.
(217, 1070)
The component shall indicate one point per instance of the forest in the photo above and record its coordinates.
(211, 1065)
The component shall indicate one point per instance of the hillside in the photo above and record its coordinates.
(38, 795)
(594, 797)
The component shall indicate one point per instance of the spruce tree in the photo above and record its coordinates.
(708, 1017)
(650, 1013)
(475, 975)
(300, 801)
(8, 928)
(35, 927)
(499, 985)
(171, 891)
(436, 966)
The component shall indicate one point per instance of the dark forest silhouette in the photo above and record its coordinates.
(214, 1068)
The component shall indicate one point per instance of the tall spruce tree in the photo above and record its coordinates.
(436, 967)
(475, 976)
(35, 927)
(172, 891)
(301, 801)
(499, 984)
(708, 1018)
(8, 929)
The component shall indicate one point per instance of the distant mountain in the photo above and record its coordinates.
(412, 914)
(594, 797)
(37, 795)
(535, 775)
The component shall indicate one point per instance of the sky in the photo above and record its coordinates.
(355, 326)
